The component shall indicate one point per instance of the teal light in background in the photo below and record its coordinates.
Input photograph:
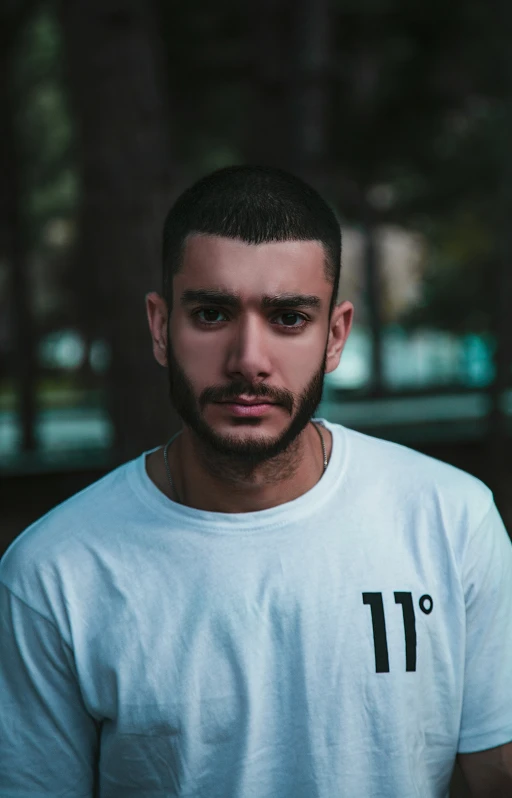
(354, 370)
(419, 359)
(62, 349)
(65, 349)
(477, 365)
(99, 356)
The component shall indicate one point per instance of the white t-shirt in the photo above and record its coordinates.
(347, 643)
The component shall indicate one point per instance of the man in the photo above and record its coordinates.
(271, 605)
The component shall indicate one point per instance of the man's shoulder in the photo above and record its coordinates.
(61, 533)
(402, 470)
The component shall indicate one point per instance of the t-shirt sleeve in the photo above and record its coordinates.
(48, 740)
(487, 577)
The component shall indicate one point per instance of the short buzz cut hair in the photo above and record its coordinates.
(255, 204)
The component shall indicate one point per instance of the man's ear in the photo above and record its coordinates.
(157, 313)
(340, 325)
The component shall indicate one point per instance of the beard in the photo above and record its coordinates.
(242, 453)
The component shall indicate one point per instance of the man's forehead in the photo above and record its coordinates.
(266, 268)
(198, 244)
(232, 272)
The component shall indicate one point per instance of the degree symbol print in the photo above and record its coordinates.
(426, 604)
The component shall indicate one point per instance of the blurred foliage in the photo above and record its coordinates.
(457, 292)
(416, 93)
(44, 126)
(54, 391)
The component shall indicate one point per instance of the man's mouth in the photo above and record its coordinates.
(243, 406)
(241, 400)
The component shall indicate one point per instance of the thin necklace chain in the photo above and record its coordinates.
(168, 470)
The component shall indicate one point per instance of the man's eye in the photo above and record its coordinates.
(290, 315)
(209, 315)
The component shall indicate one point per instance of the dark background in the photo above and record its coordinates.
(399, 112)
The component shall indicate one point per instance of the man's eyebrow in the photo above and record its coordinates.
(211, 296)
(291, 301)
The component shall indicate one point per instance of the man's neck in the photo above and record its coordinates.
(205, 485)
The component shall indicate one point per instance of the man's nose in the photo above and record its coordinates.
(249, 352)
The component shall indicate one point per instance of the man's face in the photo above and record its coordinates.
(221, 350)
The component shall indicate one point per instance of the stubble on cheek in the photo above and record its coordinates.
(191, 399)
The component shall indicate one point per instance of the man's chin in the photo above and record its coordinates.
(247, 443)
(241, 444)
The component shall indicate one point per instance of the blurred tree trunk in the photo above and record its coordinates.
(310, 100)
(115, 69)
(291, 55)
(266, 133)
(365, 89)
(498, 440)
(373, 301)
(498, 435)
(12, 233)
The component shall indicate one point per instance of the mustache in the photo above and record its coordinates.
(224, 394)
